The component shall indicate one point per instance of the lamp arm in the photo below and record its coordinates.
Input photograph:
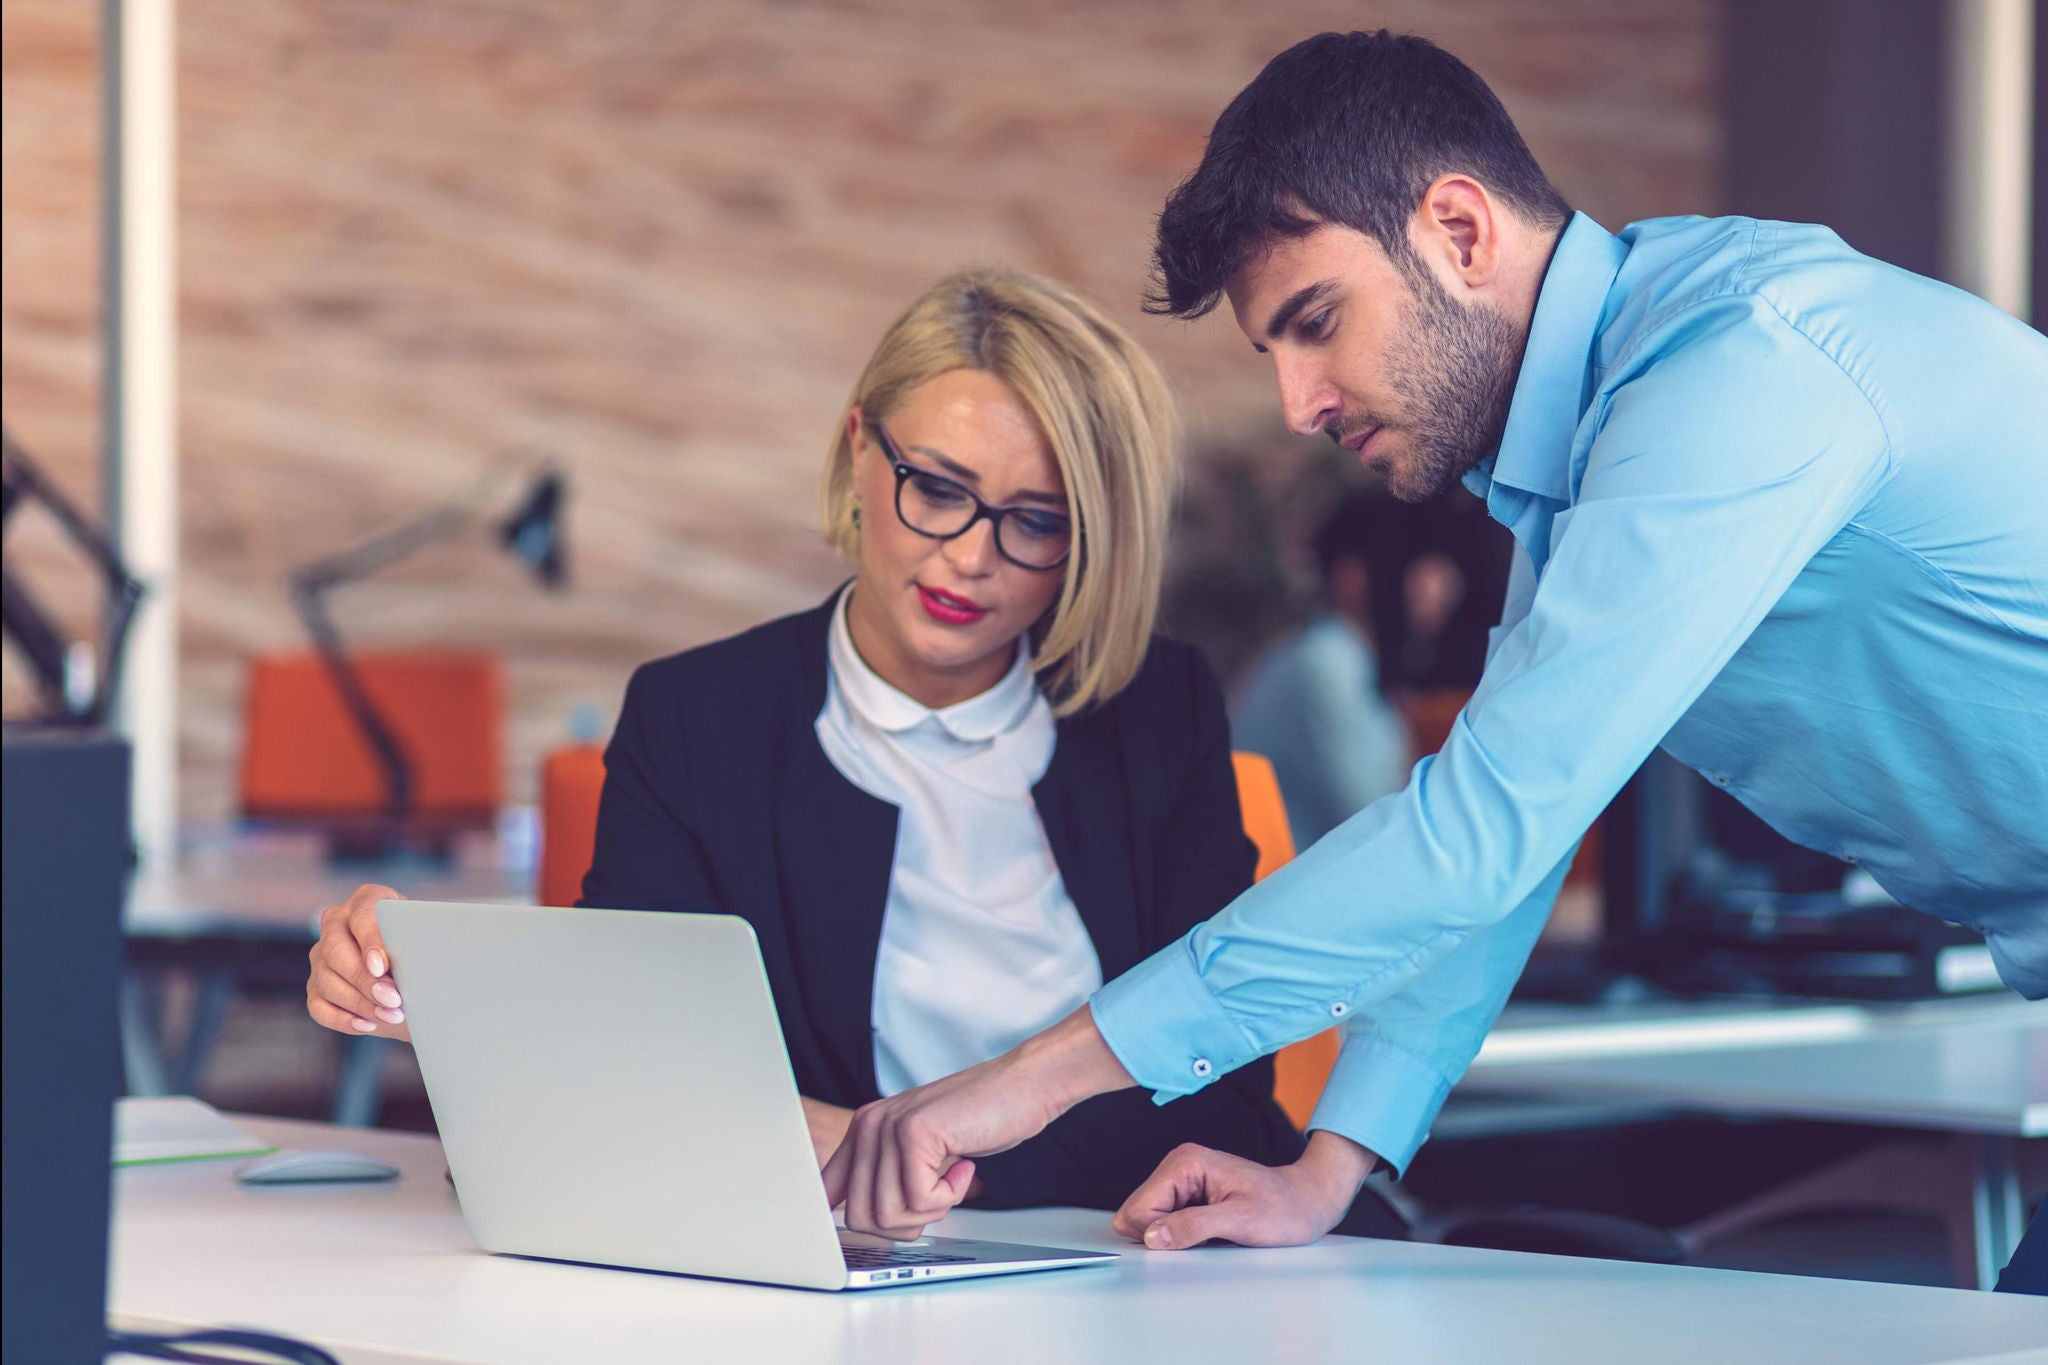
(381, 552)
(310, 585)
(31, 626)
(310, 597)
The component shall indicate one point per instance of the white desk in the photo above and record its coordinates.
(1962, 1068)
(1981, 1072)
(1532, 1032)
(388, 1273)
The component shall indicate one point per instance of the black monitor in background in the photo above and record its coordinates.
(64, 865)
(1701, 897)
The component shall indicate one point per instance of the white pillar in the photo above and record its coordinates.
(139, 383)
(1989, 154)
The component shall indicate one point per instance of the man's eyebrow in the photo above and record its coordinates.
(966, 475)
(1292, 306)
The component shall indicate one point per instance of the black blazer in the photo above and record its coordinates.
(718, 797)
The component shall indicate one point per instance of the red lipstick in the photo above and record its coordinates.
(950, 609)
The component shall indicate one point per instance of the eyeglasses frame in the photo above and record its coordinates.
(983, 511)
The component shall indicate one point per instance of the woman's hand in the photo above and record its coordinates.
(828, 1127)
(351, 989)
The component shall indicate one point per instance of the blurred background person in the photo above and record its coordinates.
(1312, 701)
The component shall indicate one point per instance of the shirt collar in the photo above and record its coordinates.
(979, 718)
(1550, 391)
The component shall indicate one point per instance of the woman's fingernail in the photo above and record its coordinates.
(376, 963)
(386, 994)
(1158, 1235)
(362, 1026)
(391, 1016)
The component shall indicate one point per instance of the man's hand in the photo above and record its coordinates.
(1198, 1194)
(908, 1159)
(350, 988)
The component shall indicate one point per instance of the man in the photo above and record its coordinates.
(1778, 507)
(1311, 701)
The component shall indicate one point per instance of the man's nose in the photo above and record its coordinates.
(1308, 400)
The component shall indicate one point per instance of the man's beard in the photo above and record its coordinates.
(1453, 370)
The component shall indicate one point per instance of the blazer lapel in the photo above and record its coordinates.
(835, 847)
(1082, 802)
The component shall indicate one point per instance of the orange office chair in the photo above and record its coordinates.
(304, 759)
(1299, 1069)
(571, 779)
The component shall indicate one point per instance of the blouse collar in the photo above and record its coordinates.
(1001, 708)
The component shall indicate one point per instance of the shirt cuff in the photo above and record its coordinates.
(1381, 1098)
(1166, 1028)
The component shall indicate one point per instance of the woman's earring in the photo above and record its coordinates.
(856, 516)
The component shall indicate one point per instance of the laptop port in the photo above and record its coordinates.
(905, 1274)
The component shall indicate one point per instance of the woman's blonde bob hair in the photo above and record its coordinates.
(1104, 409)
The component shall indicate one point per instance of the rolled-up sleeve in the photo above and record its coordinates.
(1718, 471)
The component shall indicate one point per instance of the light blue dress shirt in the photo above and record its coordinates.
(1312, 705)
(1780, 508)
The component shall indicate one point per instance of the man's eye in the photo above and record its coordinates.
(1318, 326)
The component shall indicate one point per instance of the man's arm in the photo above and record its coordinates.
(1397, 1064)
(1717, 475)
(1394, 1070)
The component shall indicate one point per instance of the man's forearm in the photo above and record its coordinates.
(1336, 1165)
(1070, 1062)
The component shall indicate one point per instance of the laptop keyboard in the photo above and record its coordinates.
(877, 1258)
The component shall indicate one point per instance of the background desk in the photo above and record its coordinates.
(1973, 1071)
(388, 1273)
(239, 910)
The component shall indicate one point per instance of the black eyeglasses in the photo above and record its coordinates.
(933, 505)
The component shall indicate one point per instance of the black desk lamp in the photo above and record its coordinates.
(22, 617)
(531, 533)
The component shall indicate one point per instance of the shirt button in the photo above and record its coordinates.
(1338, 1009)
(1720, 780)
(1202, 1067)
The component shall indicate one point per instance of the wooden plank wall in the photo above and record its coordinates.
(656, 240)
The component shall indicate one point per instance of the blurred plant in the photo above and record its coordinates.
(1241, 569)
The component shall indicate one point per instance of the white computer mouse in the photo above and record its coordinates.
(297, 1166)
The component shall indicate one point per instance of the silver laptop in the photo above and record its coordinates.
(612, 1087)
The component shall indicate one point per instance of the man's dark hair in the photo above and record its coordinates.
(1345, 128)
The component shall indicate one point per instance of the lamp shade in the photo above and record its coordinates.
(532, 532)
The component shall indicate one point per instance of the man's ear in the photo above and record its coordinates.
(1456, 231)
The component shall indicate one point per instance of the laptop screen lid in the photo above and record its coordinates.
(612, 1086)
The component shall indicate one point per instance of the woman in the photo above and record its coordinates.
(971, 785)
